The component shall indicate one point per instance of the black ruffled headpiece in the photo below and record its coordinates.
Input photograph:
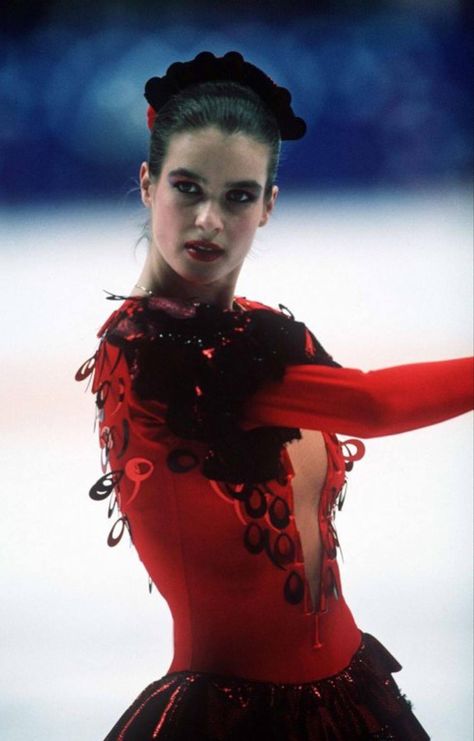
(232, 66)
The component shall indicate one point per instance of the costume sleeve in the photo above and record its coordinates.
(366, 404)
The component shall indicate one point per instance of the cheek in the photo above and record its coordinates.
(166, 223)
(242, 236)
(247, 223)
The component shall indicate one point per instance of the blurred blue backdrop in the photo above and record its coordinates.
(385, 88)
(380, 268)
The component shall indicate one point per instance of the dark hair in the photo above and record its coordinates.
(227, 105)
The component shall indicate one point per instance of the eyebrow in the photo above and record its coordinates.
(184, 172)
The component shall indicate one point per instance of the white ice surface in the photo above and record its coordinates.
(382, 279)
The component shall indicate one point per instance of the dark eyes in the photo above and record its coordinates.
(234, 196)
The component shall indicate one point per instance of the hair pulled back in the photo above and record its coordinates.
(229, 106)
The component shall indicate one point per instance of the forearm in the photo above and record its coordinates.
(366, 404)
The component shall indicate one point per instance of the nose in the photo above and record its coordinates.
(208, 216)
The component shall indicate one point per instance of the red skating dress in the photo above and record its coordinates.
(195, 404)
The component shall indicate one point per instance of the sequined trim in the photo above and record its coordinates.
(361, 702)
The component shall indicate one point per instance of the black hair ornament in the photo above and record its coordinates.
(205, 67)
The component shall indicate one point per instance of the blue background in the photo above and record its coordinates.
(384, 87)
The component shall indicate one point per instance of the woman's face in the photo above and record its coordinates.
(205, 208)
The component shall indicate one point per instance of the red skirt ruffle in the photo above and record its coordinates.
(361, 702)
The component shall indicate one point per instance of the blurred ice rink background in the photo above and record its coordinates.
(374, 254)
(383, 280)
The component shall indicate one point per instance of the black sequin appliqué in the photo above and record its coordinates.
(204, 362)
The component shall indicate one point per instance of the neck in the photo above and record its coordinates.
(164, 282)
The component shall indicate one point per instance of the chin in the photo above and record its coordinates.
(201, 277)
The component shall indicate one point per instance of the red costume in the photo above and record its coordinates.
(203, 484)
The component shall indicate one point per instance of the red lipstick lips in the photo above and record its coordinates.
(203, 251)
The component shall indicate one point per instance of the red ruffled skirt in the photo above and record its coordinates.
(361, 702)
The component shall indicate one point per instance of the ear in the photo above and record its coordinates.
(145, 184)
(268, 206)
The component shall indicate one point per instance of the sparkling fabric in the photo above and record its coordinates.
(361, 702)
(205, 362)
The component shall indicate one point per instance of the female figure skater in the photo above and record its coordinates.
(218, 419)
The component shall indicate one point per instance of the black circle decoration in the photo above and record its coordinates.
(294, 588)
(279, 513)
(254, 538)
(86, 368)
(182, 460)
(105, 485)
(255, 503)
(114, 537)
(284, 549)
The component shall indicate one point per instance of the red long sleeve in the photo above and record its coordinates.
(366, 404)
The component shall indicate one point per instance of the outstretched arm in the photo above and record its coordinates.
(366, 404)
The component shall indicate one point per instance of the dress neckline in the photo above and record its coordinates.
(237, 304)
